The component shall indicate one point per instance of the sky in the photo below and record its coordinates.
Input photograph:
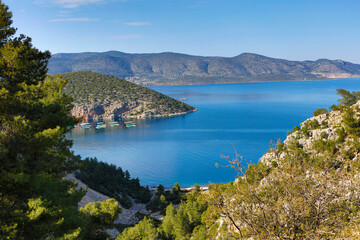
(288, 29)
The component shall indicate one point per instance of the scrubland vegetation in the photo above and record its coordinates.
(92, 90)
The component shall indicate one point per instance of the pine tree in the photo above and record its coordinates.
(35, 203)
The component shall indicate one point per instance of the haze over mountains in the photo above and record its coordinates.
(176, 69)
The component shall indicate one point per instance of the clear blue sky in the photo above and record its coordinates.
(290, 29)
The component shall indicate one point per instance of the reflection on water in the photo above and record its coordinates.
(223, 96)
(185, 149)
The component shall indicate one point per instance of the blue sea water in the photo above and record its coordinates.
(231, 117)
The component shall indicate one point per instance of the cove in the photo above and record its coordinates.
(243, 117)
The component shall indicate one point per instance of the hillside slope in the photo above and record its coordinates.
(102, 95)
(174, 68)
(303, 188)
(306, 187)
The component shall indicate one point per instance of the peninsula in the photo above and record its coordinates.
(98, 95)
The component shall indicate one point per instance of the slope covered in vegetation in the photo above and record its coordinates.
(112, 181)
(304, 188)
(103, 95)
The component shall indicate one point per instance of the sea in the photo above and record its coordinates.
(232, 120)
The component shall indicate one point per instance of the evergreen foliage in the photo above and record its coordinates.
(319, 112)
(35, 203)
(348, 98)
(162, 198)
(296, 128)
(92, 89)
(146, 230)
(351, 123)
(100, 216)
(112, 181)
(179, 223)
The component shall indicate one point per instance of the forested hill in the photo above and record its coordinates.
(103, 95)
(174, 69)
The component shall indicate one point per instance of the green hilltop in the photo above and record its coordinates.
(103, 95)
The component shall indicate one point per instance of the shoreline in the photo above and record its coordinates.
(183, 189)
(249, 82)
(142, 117)
(162, 116)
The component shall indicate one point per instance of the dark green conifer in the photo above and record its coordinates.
(35, 203)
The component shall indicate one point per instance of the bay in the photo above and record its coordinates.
(232, 118)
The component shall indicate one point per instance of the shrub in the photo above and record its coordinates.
(296, 128)
(320, 111)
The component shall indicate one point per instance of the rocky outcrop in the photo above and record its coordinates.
(126, 110)
(106, 110)
(328, 125)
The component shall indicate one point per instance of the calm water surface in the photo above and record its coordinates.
(185, 149)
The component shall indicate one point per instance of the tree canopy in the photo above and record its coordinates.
(35, 203)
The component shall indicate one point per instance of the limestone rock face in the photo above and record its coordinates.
(328, 127)
(132, 109)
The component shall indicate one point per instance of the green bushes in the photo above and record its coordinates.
(146, 229)
(125, 201)
(100, 212)
(341, 135)
(325, 146)
(178, 223)
(324, 124)
(313, 124)
(158, 203)
(162, 198)
(280, 146)
(319, 112)
(255, 172)
(296, 128)
(348, 98)
(351, 124)
(93, 88)
(309, 125)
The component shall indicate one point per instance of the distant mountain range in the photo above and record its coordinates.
(177, 69)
